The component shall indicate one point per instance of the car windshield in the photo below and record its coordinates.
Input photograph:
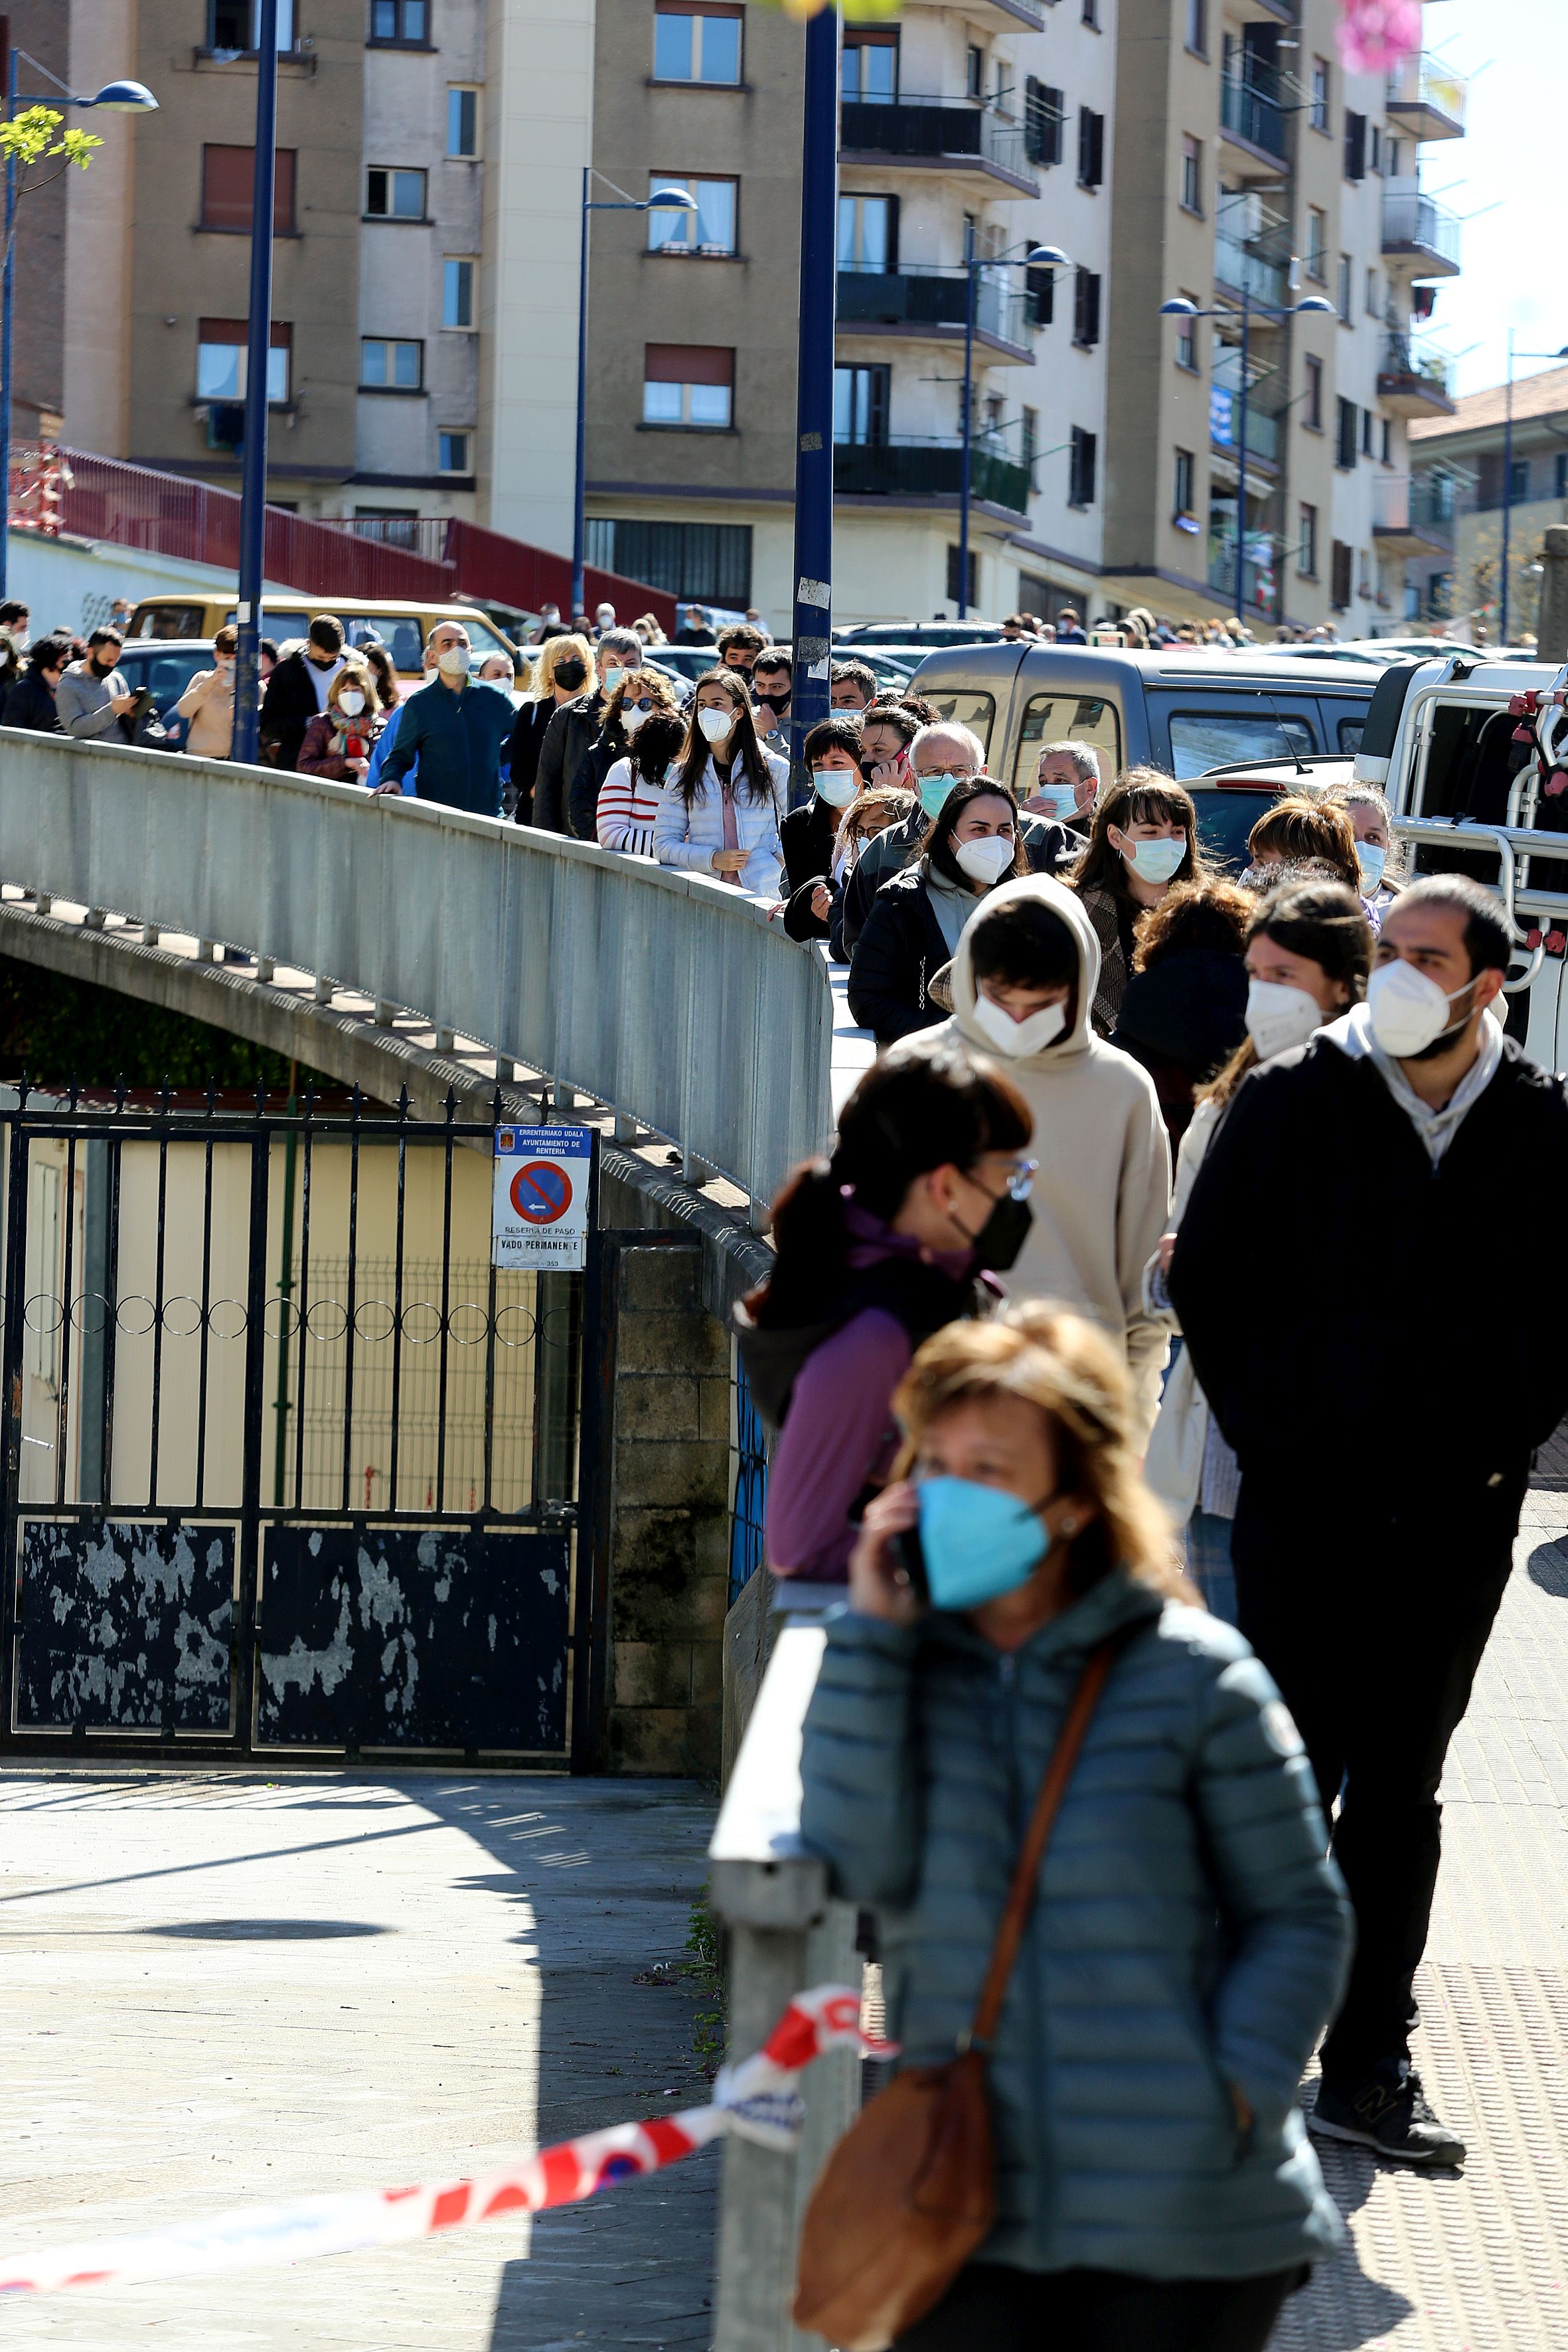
(164, 674)
(1225, 820)
(1202, 739)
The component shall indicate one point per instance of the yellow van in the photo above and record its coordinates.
(401, 627)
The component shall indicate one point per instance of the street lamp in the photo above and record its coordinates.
(114, 97)
(1181, 308)
(1039, 257)
(663, 199)
(1507, 468)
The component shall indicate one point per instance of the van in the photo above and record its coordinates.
(401, 627)
(1184, 713)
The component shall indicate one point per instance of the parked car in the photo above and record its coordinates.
(923, 634)
(165, 666)
(401, 627)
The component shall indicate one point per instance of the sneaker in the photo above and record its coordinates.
(1388, 2112)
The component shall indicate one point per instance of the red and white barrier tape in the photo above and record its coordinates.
(756, 2098)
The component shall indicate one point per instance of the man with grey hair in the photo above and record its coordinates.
(942, 757)
(1066, 779)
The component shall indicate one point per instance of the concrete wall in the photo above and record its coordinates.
(75, 581)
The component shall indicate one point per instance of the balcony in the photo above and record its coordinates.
(938, 132)
(1265, 426)
(1419, 230)
(929, 304)
(1236, 265)
(1257, 579)
(1252, 115)
(1411, 383)
(1414, 515)
(1426, 98)
(929, 470)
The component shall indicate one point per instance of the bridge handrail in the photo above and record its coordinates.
(669, 996)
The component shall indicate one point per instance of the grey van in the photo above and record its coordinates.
(1185, 713)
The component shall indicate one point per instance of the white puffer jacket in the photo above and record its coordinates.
(687, 837)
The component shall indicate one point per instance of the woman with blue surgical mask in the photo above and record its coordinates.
(1143, 838)
(1376, 850)
(1184, 1937)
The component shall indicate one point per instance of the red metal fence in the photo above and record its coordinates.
(428, 559)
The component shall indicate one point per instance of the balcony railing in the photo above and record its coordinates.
(1254, 114)
(911, 468)
(933, 297)
(1265, 426)
(1235, 265)
(935, 126)
(1401, 357)
(1257, 579)
(1428, 98)
(1420, 506)
(1416, 225)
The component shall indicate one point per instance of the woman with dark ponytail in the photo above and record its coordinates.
(877, 1247)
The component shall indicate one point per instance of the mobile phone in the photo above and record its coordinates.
(909, 1561)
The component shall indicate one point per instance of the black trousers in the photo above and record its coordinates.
(991, 2307)
(1373, 1621)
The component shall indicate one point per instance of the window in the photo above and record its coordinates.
(1182, 495)
(1045, 117)
(1040, 296)
(1313, 395)
(1347, 277)
(1187, 339)
(1306, 544)
(688, 385)
(1344, 435)
(1368, 296)
(869, 234)
(229, 181)
(1342, 560)
(1085, 311)
(1081, 467)
(454, 452)
(457, 293)
(234, 24)
(1052, 719)
(710, 229)
(462, 119)
(1318, 111)
(1356, 145)
(971, 595)
(221, 360)
(1387, 450)
(1560, 467)
(405, 22)
(1368, 422)
(1197, 26)
(385, 366)
(1091, 13)
(974, 71)
(1519, 481)
(1029, 438)
(1317, 243)
(394, 194)
(860, 397)
(1393, 152)
(869, 68)
(1192, 174)
(1091, 148)
(710, 563)
(1375, 150)
(695, 41)
(1203, 740)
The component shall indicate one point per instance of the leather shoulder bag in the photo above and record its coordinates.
(909, 2194)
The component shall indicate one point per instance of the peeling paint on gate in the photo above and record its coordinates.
(125, 1624)
(413, 1637)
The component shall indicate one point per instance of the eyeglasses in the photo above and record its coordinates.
(1021, 1182)
(644, 702)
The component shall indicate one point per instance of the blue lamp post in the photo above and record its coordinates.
(812, 595)
(1039, 257)
(114, 97)
(1180, 307)
(664, 200)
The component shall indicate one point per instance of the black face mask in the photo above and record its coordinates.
(570, 673)
(101, 668)
(999, 1241)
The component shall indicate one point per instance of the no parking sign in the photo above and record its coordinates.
(539, 1205)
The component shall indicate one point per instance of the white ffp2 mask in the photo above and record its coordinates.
(1019, 1038)
(987, 859)
(1409, 1011)
(453, 662)
(716, 724)
(1278, 1017)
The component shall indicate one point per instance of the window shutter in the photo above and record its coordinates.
(1040, 287)
(1355, 146)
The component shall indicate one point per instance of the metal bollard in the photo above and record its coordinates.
(786, 1933)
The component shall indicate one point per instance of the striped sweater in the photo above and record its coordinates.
(626, 808)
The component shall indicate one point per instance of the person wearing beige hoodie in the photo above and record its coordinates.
(1102, 1191)
(208, 702)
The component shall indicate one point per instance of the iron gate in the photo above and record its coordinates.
(290, 1466)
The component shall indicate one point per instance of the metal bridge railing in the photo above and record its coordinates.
(668, 996)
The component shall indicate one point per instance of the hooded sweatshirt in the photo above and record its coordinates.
(1103, 1186)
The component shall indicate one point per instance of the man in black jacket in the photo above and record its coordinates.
(1346, 1273)
(297, 691)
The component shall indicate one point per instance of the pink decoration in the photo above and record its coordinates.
(1375, 33)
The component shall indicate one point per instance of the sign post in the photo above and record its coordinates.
(542, 1203)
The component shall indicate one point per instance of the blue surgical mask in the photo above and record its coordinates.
(836, 786)
(1156, 861)
(1372, 863)
(1059, 801)
(978, 1542)
(934, 790)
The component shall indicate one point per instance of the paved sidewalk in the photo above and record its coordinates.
(220, 1989)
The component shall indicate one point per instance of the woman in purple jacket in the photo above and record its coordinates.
(877, 1247)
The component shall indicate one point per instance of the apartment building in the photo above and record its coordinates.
(1254, 174)
(1468, 472)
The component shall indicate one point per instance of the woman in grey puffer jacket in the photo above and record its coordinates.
(1156, 2191)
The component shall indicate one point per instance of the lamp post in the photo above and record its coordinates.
(1315, 304)
(114, 97)
(812, 599)
(1507, 471)
(1039, 257)
(664, 199)
(258, 362)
